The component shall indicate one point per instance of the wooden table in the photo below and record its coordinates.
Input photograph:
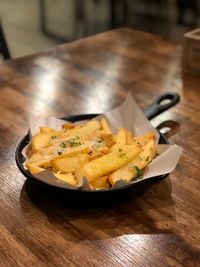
(161, 227)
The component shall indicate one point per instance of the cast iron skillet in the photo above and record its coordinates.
(153, 110)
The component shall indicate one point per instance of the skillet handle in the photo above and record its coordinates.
(157, 107)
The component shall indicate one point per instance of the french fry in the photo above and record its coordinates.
(46, 130)
(108, 163)
(38, 159)
(34, 158)
(105, 126)
(96, 155)
(106, 138)
(34, 169)
(118, 146)
(144, 138)
(133, 169)
(98, 152)
(87, 128)
(75, 151)
(61, 150)
(100, 183)
(40, 140)
(129, 137)
(79, 174)
(66, 177)
(69, 125)
(45, 156)
(70, 164)
(103, 150)
(106, 185)
(120, 137)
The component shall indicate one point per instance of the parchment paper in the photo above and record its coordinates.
(129, 116)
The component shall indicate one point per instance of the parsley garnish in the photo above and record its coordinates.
(63, 145)
(121, 153)
(59, 153)
(73, 143)
(54, 137)
(139, 171)
(147, 159)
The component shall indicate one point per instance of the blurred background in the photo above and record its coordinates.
(30, 26)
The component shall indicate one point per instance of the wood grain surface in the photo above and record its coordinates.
(160, 227)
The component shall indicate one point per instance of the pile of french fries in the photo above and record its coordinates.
(91, 150)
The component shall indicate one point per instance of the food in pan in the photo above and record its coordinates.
(91, 149)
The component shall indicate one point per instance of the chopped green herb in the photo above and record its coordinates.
(139, 171)
(99, 141)
(63, 145)
(59, 153)
(54, 137)
(147, 159)
(74, 143)
(121, 153)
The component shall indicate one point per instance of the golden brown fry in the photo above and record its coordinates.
(40, 140)
(105, 125)
(44, 157)
(39, 160)
(95, 155)
(99, 152)
(87, 128)
(66, 177)
(144, 138)
(57, 150)
(34, 169)
(120, 137)
(44, 138)
(132, 169)
(70, 164)
(100, 183)
(73, 151)
(68, 125)
(46, 130)
(103, 149)
(107, 138)
(108, 163)
(79, 174)
(129, 137)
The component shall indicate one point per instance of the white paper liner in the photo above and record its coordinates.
(129, 116)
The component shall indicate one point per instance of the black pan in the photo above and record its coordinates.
(153, 110)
